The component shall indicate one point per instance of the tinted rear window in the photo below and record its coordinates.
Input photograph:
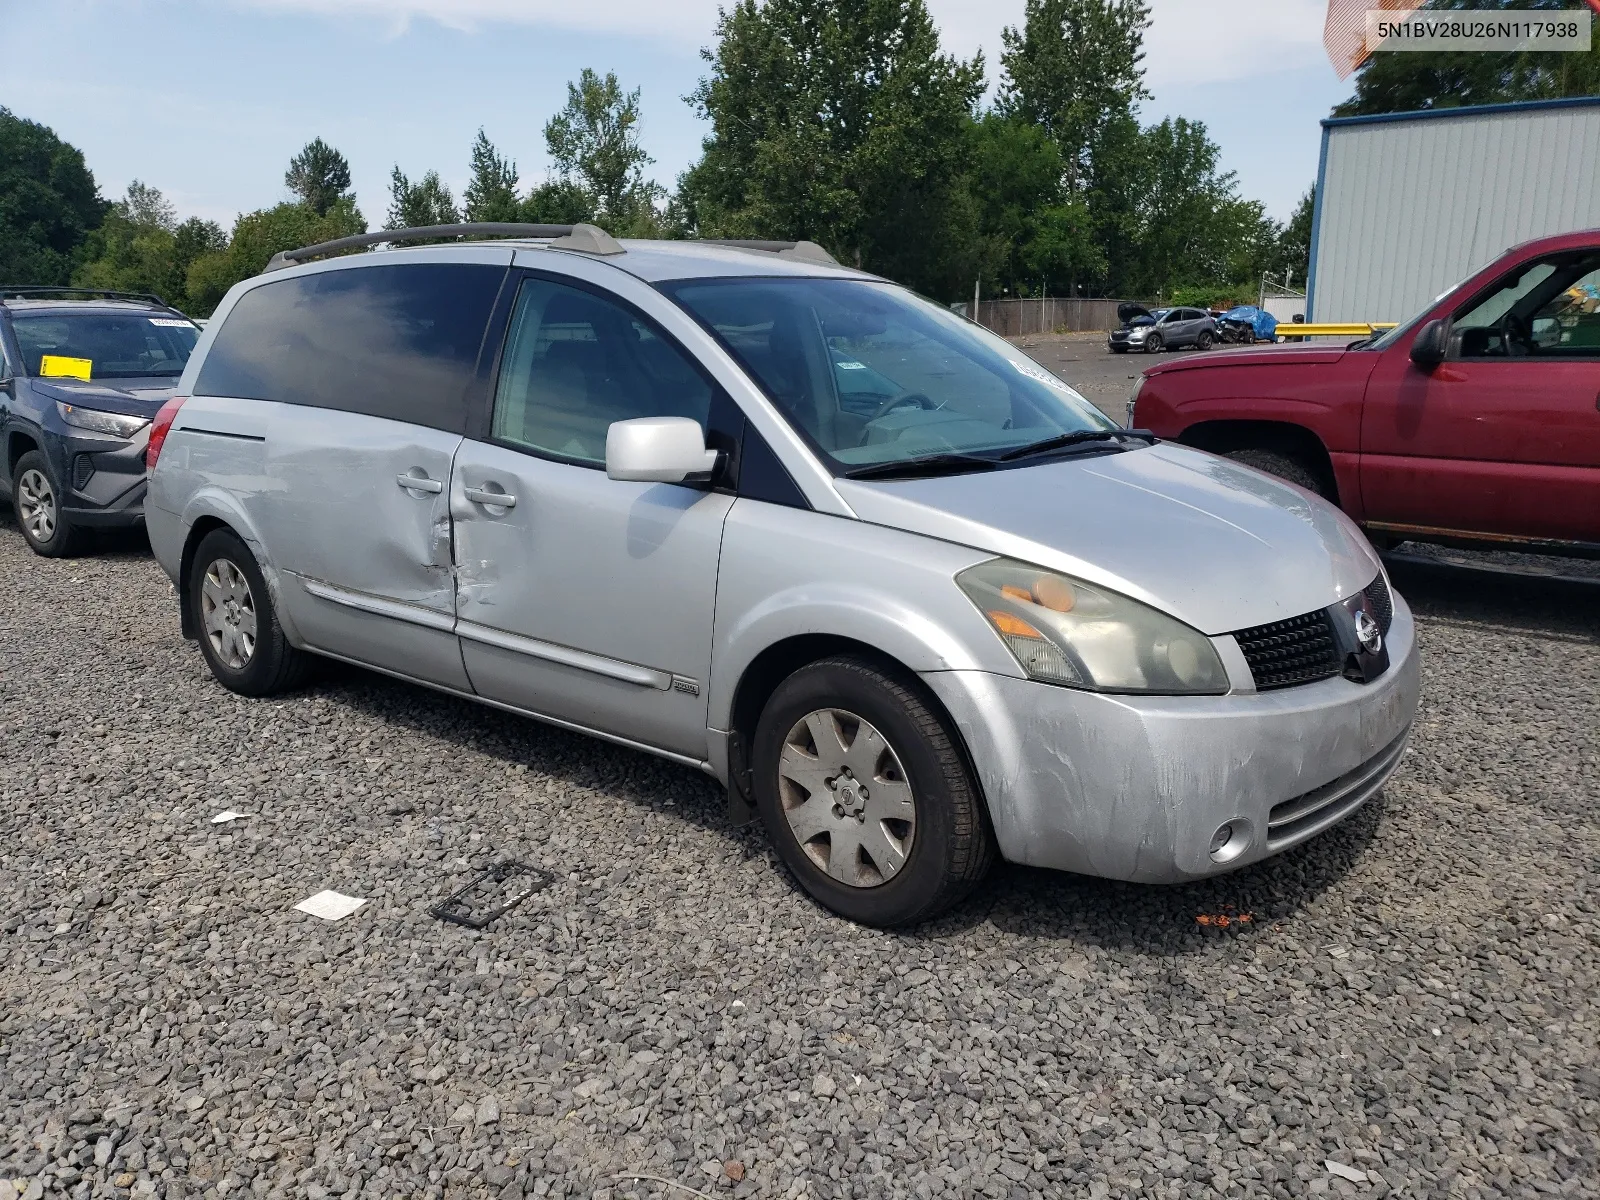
(397, 341)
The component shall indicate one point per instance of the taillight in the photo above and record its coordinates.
(159, 429)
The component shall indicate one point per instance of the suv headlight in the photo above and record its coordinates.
(1068, 632)
(92, 419)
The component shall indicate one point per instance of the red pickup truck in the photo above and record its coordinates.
(1477, 423)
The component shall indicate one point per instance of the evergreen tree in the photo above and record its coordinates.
(319, 175)
(426, 202)
(492, 193)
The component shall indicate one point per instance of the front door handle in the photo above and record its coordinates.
(489, 499)
(419, 483)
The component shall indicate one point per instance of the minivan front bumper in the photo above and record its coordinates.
(1138, 787)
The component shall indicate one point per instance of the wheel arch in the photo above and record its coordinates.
(18, 443)
(768, 669)
(1224, 435)
(191, 542)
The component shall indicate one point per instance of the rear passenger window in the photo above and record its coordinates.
(575, 362)
(398, 341)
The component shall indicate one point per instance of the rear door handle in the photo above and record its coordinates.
(489, 499)
(419, 483)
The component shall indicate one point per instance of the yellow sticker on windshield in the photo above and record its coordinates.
(61, 366)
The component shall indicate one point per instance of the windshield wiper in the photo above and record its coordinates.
(1076, 438)
(928, 464)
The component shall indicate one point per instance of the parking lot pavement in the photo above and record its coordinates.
(1412, 996)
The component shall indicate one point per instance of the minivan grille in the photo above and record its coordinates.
(1285, 653)
(1380, 603)
(1321, 807)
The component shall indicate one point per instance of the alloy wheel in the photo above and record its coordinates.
(36, 504)
(846, 797)
(228, 614)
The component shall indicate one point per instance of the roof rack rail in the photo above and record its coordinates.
(23, 293)
(587, 238)
(805, 251)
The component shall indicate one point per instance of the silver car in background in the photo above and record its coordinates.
(907, 594)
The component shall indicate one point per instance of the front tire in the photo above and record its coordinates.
(240, 637)
(1284, 466)
(866, 795)
(37, 501)
(1153, 344)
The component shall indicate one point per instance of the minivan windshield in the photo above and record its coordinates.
(873, 375)
(116, 345)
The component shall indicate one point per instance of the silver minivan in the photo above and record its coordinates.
(909, 596)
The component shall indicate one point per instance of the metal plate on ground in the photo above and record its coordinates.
(492, 894)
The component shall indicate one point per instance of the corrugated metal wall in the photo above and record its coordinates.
(1411, 207)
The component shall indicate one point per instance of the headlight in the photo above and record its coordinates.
(1068, 632)
(100, 422)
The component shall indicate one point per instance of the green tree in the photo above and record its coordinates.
(1073, 65)
(1294, 247)
(594, 143)
(1033, 233)
(256, 237)
(426, 202)
(491, 195)
(839, 121)
(319, 175)
(1412, 82)
(48, 203)
(562, 202)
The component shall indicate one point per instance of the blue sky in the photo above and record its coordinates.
(207, 99)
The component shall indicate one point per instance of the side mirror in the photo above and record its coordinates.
(658, 450)
(1429, 346)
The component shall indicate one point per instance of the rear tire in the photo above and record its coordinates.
(36, 497)
(240, 637)
(1284, 466)
(1205, 340)
(894, 828)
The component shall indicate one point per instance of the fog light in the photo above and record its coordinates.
(1231, 839)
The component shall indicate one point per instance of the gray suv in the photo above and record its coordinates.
(1155, 330)
(908, 595)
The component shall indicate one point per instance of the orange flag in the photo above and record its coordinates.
(1345, 33)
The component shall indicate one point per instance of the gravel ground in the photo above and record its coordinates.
(1412, 996)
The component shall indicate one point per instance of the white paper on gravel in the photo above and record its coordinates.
(226, 815)
(330, 906)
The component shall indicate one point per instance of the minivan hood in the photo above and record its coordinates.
(130, 397)
(1220, 546)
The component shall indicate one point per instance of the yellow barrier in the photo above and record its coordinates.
(1350, 329)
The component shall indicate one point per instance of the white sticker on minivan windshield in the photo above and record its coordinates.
(1044, 377)
(170, 323)
(852, 366)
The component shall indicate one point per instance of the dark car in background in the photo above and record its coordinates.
(1154, 330)
(82, 374)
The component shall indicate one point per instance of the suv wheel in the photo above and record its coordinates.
(240, 637)
(866, 796)
(1204, 341)
(37, 501)
(1284, 466)
(1153, 344)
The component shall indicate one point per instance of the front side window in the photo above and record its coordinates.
(1542, 309)
(104, 345)
(873, 375)
(575, 362)
(399, 341)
